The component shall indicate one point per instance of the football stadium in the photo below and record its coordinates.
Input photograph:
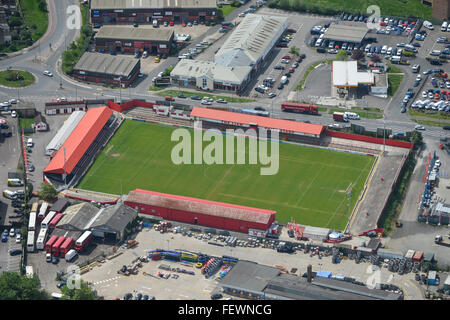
(310, 185)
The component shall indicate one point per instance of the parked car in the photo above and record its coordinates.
(216, 296)
(48, 73)
(15, 252)
(195, 98)
(4, 238)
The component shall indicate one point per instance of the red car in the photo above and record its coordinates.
(169, 98)
(171, 23)
(286, 57)
(291, 30)
(183, 24)
(291, 70)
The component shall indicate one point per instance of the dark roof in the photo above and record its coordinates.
(67, 233)
(115, 217)
(39, 118)
(14, 175)
(374, 243)
(249, 276)
(290, 286)
(60, 205)
(76, 217)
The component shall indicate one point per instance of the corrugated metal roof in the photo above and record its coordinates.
(196, 68)
(65, 131)
(79, 140)
(76, 217)
(106, 63)
(340, 32)
(151, 4)
(254, 36)
(115, 217)
(142, 33)
(211, 208)
(269, 123)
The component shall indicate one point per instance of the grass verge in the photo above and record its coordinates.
(26, 122)
(226, 9)
(394, 81)
(24, 78)
(430, 114)
(430, 123)
(395, 202)
(175, 93)
(155, 88)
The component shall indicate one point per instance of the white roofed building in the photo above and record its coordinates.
(346, 74)
(64, 132)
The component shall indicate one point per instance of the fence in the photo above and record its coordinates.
(388, 142)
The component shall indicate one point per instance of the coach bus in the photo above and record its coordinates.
(30, 241)
(32, 221)
(43, 211)
(47, 219)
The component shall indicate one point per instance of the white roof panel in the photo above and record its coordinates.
(345, 74)
(64, 132)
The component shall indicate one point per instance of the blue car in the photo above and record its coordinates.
(55, 260)
(4, 238)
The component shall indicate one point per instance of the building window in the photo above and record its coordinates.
(204, 84)
(153, 210)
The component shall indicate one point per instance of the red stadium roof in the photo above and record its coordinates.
(79, 140)
(270, 123)
(212, 208)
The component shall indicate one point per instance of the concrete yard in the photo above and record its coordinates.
(110, 285)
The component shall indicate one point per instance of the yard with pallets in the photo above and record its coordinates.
(310, 184)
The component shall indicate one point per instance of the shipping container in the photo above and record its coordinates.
(409, 254)
(50, 242)
(66, 246)
(418, 256)
(386, 254)
(57, 245)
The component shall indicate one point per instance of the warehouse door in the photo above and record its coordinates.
(98, 233)
(176, 18)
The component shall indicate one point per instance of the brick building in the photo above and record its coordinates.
(145, 11)
(441, 8)
(128, 39)
(107, 69)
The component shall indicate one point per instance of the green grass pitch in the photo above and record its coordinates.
(309, 186)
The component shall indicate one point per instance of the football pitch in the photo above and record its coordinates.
(310, 184)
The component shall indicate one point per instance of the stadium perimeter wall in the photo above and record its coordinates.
(130, 104)
(350, 136)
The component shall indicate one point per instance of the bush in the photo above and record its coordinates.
(14, 76)
(236, 4)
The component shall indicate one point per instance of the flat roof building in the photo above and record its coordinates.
(346, 74)
(145, 11)
(345, 33)
(107, 69)
(64, 132)
(128, 39)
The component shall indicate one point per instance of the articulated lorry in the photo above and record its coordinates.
(339, 116)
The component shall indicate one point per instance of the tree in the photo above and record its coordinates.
(16, 287)
(416, 138)
(47, 192)
(294, 50)
(375, 58)
(358, 55)
(15, 22)
(83, 293)
(342, 55)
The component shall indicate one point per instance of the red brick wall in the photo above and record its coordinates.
(356, 137)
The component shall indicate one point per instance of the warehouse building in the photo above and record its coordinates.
(209, 76)
(60, 205)
(287, 129)
(239, 58)
(345, 33)
(199, 212)
(64, 132)
(255, 281)
(128, 39)
(145, 11)
(111, 222)
(73, 156)
(107, 69)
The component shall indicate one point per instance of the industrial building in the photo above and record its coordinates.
(345, 74)
(440, 8)
(106, 69)
(128, 39)
(345, 33)
(239, 58)
(287, 129)
(199, 212)
(111, 222)
(73, 156)
(255, 281)
(145, 11)
(209, 76)
(64, 132)
(60, 205)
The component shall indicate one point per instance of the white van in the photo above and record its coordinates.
(367, 49)
(70, 254)
(145, 54)
(284, 80)
(155, 23)
(9, 194)
(29, 142)
(352, 115)
(444, 26)
(384, 49)
(428, 25)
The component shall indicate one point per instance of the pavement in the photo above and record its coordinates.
(107, 283)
